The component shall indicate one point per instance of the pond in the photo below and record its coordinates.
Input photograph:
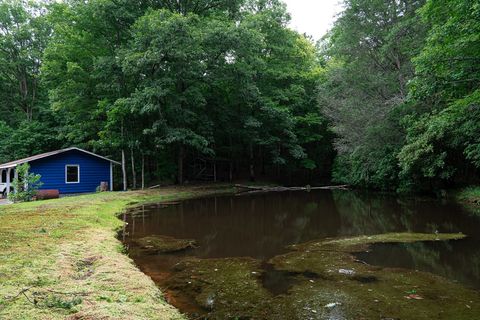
(280, 255)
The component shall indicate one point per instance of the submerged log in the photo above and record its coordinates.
(251, 189)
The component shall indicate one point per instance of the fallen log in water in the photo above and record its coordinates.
(251, 189)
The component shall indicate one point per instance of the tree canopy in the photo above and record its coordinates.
(401, 89)
(215, 89)
(183, 89)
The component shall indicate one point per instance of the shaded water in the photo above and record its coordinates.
(260, 226)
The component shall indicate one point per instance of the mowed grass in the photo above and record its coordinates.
(60, 259)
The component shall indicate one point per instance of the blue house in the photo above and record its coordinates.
(71, 170)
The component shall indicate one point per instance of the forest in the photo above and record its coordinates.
(191, 90)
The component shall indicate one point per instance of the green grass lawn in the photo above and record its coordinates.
(61, 259)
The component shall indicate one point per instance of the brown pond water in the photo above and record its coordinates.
(261, 226)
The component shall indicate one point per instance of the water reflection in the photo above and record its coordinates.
(262, 225)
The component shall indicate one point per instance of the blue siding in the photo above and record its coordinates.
(93, 171)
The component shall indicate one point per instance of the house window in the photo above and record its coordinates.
(72, 173)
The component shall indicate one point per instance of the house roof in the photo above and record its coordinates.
(15, 163)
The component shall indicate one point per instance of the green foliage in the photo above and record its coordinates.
(5, 133)
(166, 56)
(363, 87)
(221, 79)
(215, 79)
(55, 301)
(25, 119)
(443, 130)
(470, 195)
(28, 138)
(376, 170)
(25, 185)
(392, 90)
(23, 35)
(403, 98)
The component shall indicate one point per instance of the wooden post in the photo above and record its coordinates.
(25, 182)
(15, 178)
(143, 171)
(134, 174)
(124, 165)
(252, 164)
(214, 171)
(181, 155)
(124, 171)
(8, 180)
(1, 177)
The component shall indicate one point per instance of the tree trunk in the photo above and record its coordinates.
(143, 171)
(230, 171)
(134, 174)
(181, 156)
(214, 171)
(262, 157)
(252, 165)
(124, 171)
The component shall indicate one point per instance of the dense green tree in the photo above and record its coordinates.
(29, 138)
(364, 85)
(80, 67)
(264, 92)
(443, 129)
(26, 123)
(218, 87)
(166, 58)
(23, 35)
(393, 89)
(199, 7)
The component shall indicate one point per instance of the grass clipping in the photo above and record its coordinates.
(60, 259)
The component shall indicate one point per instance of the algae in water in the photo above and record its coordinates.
(232, 288)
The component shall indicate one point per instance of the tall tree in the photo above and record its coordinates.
(443, 127)
(23, 36)
(166, 58)
(369, 54)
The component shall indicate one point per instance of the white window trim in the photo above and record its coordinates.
(78, 173)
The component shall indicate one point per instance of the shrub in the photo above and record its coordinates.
(25, 184)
